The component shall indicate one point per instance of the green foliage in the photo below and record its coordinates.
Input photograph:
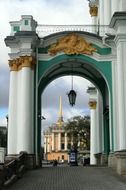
(78, 131)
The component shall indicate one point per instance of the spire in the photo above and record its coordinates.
(60, 115)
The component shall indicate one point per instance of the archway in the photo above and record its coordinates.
(85, 66)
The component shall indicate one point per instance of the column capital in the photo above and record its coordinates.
(13, 65)
(27, 61)
(93, 10)
(23, 61)
(92, 104)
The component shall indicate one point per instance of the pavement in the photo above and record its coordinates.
(70, 178)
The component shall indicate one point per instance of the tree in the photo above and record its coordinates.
(78, 132)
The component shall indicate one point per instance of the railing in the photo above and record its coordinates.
(12, 170)
(45, 30)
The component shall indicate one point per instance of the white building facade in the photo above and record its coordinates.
(101, 60)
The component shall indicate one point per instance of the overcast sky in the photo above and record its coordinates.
(44, 12)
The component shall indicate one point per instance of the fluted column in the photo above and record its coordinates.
(93, 135)
(25, 119)
(65, 141)
(12, 116)
(59, 141)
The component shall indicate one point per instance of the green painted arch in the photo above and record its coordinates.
(103, 67)
(45, 69)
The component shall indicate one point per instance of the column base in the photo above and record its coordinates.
(104, 159)
(112, 161)
(121, 162)
(30, 162)
(98, 158)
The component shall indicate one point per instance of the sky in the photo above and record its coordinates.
(44, 12)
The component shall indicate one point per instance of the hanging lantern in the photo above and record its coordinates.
(72, 97)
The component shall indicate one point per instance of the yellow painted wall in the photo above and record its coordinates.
(57, 156)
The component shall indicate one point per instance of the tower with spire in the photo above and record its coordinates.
(55, 139)
(60, 121)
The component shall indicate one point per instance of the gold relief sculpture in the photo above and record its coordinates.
(13, 65)
(92, 104)
(93, 10)
(23, 61)
(72, 44)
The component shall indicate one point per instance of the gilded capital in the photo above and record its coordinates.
(27, 61)
(92, 104)
(93, 10)
(13, 65)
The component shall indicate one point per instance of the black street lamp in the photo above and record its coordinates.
(72, 95)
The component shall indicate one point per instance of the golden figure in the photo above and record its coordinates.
(72, 44)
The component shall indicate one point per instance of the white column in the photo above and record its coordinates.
(93, 132)
(59, 141)
(12, 116)
(65, 141)
(115, 104)
(114, 6)
(25, 128)
(94, 15)
(121, 69)
(122, 5)
(101, 12)
(99, 125)
(19, 90)
(107, 12)
(52, 141)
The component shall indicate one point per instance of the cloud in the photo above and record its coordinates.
(44, 12)
(60, 87)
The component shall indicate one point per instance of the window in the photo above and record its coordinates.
(62, 157)
(62, 134)
(16, 28)
(62, 146)
(26, 22)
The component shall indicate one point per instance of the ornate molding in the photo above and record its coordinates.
(93, 10)
(92, 104)
(72, 44)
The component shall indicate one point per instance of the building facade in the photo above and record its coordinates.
(95, 52)
(56, 140)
